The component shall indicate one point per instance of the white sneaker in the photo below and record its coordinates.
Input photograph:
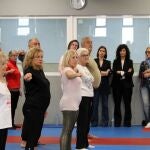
(148, 125)
(23, 144)
(91, 146)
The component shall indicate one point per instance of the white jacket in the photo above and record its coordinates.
(5, 107)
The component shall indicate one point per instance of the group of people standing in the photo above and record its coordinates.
(79, 74)
(36, 89)
(84, 82)
(122, 84)
(80, 103)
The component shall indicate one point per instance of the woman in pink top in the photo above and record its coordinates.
(69, 103)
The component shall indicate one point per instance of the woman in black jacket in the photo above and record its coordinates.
(37, 96)
(122, 85)
(104, 89)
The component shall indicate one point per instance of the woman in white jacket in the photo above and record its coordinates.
(5, 104)
(89, 78)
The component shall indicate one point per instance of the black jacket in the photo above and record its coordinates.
(117, 81)
(104, 85)
(37, 90)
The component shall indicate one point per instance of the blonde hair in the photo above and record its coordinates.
(3, 58)
(28, 61)
(70, 53)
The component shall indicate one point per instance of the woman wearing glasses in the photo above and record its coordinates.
(87, 93)
(144, 74)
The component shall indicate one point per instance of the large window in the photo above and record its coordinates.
(127, 30)
(100, 29)
(52, 33)
(112, 31)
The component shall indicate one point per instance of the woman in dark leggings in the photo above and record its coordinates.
(37, 96)
(69, 103)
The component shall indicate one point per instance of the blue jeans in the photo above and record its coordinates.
(145, 94)
(104, 101)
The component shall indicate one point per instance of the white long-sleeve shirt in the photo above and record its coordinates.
(87, 80)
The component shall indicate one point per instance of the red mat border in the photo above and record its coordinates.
(99, 141)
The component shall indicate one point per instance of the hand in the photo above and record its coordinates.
(27, 76)
(12, 70)
(79, 74)
(146, 75)
(130, 70)
(104, 73)
(118, 72)
(9, 71)
(108, 70)
(147, 71)
(121, 73)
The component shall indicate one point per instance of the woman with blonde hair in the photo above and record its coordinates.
(70, 100)
(5, 104)
(37, 96)
(13, 76)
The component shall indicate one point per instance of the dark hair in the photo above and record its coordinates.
(119, 48)
(72, 42)
(105, 51)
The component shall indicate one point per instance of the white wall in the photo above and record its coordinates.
(56, 93)
(62, 7)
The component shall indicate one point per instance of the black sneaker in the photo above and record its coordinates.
(144, 123)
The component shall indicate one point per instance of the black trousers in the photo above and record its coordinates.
(83, 122)
(118, 95)
(14, 102)
(32, 125)
(3, 137)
